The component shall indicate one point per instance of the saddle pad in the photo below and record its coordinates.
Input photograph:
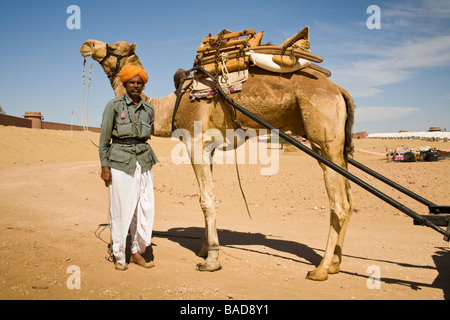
(232, 79)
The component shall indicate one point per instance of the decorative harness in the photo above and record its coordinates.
(118, 56)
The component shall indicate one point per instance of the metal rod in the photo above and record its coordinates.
(390, 182)
(422, 221)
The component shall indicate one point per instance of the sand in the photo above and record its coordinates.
(53, 204)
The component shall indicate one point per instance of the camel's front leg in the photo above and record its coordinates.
(210, 247)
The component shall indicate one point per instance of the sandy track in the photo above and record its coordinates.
(53, 202)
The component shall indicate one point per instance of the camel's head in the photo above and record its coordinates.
(112, 57)
(93, 48)
(97, 49)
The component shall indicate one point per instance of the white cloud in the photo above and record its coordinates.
(365, 76)
(414, 36)
(374, 114)
(418, 9)
(422, 53)
(412, 44)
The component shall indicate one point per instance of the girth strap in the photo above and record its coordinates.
(179, 90)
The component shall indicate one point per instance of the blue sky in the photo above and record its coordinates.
(398, 75)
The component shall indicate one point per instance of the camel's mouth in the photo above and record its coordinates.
(85, 53)
(86, 49)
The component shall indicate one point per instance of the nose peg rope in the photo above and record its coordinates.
(85, 126)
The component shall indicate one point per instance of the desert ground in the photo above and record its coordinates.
(54, 206)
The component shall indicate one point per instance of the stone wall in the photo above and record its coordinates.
(62, 126)
(6, 120)
(34, 120)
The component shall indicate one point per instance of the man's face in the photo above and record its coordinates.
(134, 86)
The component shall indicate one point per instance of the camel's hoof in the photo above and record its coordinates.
(333, 269)
(317, 275)
(208, 266)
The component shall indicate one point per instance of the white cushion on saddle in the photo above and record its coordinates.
(265, 61)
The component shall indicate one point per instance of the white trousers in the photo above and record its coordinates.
(132, 208)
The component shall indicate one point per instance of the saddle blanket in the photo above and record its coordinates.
(230, 83)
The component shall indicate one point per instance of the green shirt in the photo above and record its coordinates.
(123, 119)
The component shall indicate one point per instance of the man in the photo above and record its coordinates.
(127, 163)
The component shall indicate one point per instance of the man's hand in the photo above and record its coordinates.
(106, 176)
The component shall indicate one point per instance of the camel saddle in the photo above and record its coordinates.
(232, 51)
(226, 50)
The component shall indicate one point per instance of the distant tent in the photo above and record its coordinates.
(424, 135)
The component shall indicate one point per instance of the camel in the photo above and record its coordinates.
(304, 103)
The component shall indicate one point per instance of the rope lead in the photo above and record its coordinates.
(85, 126)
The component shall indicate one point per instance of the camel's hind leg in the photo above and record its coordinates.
(341, 208)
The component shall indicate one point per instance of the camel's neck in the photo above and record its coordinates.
(116, 84)
(164, 106)
(162, 127)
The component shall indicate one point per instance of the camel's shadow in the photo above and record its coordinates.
(191, 238)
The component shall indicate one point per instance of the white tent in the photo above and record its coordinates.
(424, 135)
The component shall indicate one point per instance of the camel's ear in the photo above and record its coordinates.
(133, 47)
(113, 46)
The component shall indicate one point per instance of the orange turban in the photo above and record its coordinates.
(128, 72)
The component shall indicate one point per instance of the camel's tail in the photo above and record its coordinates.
(348, 147)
